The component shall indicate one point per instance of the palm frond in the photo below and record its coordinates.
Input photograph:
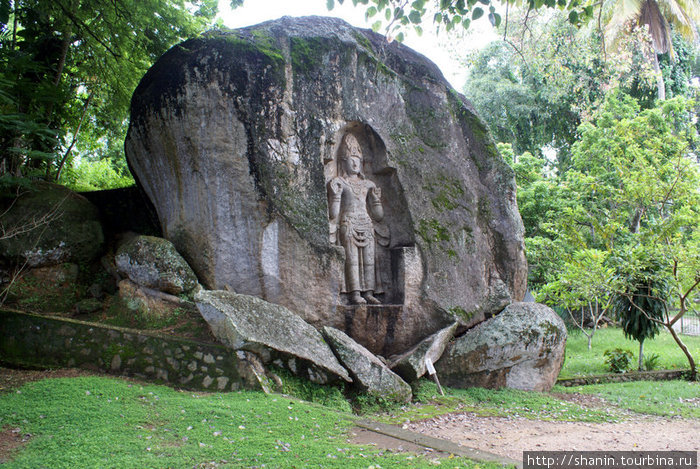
(683, 15)
(620, 14)
(651, 16)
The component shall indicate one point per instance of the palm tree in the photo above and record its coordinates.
(659, 16)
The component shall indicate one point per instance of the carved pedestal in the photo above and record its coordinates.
(381, 329)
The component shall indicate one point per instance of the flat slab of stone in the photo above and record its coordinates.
(373, 376)
(437, 444)
(274, 332)
(411, 365)
(521, 348)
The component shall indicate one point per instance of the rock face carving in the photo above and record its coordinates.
(354, 204)
(234, 137)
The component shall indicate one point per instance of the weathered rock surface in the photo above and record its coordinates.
(52, 225)
(236, 135)
(155, 263)
(522, 348)
(368, 371)
(271, 331)
(411, 365)
(65, 273)
(148, 305)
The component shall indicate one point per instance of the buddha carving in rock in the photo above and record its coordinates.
(354, 205)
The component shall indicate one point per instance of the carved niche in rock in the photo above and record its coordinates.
(359, 217)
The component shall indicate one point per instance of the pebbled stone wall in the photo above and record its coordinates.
(37, 341)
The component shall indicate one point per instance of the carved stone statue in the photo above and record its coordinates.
(354, 204)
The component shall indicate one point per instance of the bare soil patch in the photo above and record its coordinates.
(510, 436)
(11, 378)
(11, 440)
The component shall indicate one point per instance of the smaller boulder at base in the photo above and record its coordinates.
(245, 322)
(155, 263)
(50, 225)
(144, 306)
(411, 365)
(521, 348)
(370, 374)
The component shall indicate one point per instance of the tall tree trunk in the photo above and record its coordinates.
(641, 354)
(15, 23)
(688, 355)
(75, 138)
(660, 85)
(636, 220)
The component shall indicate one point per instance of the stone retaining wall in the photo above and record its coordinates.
(38, 341)
(658, 375)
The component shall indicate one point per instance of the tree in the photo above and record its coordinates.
(639, 304)
(536, 87)
(636, 183)
(657, 16)
(69, 68)
(449, 14)
(584, 288)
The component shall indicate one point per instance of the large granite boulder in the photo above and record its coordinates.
(244, 141)
(155, 263)
(50, 225)
(521, 348)
(277, 335)
(370, 374)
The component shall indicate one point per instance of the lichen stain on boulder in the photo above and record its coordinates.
(155, 263)
(232, 135)
(522, 348)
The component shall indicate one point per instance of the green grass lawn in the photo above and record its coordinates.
(582, 362)
(98, 422)
(666, 398)
(91, 422)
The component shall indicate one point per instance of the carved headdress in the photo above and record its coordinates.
(349, 145)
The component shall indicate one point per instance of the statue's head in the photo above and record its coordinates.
(350, 155)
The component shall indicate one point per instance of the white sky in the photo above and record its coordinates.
(443, 49)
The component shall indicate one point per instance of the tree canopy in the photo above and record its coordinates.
(69, 68)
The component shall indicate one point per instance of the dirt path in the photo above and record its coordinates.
(509, 437)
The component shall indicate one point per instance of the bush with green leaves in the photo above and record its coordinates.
(618, 360)
(640, 304)
(651, 361)
(95, 175)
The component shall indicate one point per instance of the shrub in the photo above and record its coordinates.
(618, 360)
(651, 361)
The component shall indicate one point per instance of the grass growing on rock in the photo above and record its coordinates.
(104, 422)
(583, 362)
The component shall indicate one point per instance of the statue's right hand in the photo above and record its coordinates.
(335, 187)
